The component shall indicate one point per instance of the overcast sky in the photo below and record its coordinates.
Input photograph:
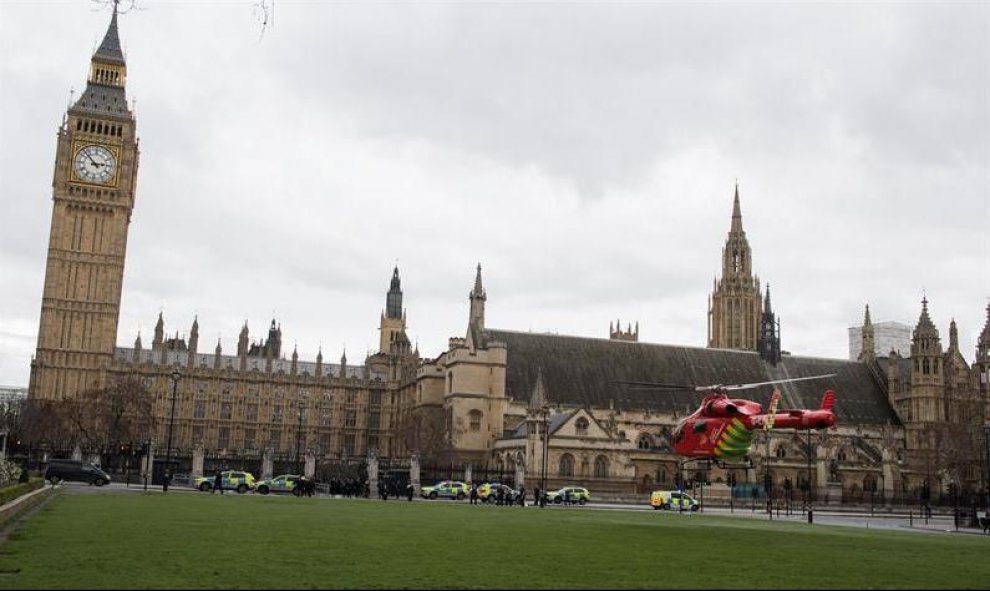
(585, 154)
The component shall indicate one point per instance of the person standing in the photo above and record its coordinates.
(536, 496)
(217, 483)
(409, 491)
(522, 496)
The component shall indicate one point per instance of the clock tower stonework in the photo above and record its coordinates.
(95, 174)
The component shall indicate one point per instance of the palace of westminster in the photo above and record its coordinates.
(485, 401)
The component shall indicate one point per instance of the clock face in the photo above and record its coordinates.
(94, 164)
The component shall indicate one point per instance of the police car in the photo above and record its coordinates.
(231, 480)
(286, 483)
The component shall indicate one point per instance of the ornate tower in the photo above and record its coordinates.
(393, 322)
(96, 164)
(734, 306)
(922, 403)
(477, 298)
(769, 341)
(982, 364)
(868, 351)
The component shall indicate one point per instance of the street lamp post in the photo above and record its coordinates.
(546, 450)
(808, 492)
(767, 479)
(302, 405)
(986, 443)
(171, 423)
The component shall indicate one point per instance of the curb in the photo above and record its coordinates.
(24, 503)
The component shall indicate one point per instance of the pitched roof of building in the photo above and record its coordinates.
(582, 371)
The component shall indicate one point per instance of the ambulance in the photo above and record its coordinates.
(673, 500)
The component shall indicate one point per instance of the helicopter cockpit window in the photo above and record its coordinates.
(699, 426)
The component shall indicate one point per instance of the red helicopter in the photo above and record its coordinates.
(722, 428)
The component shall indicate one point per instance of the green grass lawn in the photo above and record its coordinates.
(180, 541)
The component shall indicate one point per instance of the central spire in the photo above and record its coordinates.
(104, 94)
(736, 227)
(109, 50)
(393, 300)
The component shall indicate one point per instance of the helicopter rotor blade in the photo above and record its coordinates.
(754, 385)
(653, 385)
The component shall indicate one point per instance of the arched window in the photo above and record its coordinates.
(781, 452)
(644, 441)
(842, 456)
(474, 418)
(582, 426)
(601, 467)
(566, 465)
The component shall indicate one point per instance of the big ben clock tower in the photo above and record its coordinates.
(95, 173)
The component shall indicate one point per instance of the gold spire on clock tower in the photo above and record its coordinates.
(96, 163)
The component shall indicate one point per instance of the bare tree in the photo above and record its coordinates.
(43, 424)
(422, 430)
(103, 419)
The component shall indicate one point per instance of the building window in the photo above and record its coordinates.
(197, 435)
(252, 413)
(566, 465)
(325, 416)
(223, 437)
(644, 441)
(349, 445)
(199, 410)
(375, 397)
(781, 452)
(601, 467)
(324, 442)
(274, 439)
(374, 420)
(582, 426)
(249, 438)
(225, 410)
(350, 419)
(474, 418)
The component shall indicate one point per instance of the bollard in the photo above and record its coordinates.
(811, 518)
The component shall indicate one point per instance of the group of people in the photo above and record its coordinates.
(500, 495)
(305, 487)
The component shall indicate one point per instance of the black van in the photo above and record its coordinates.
(75, 470)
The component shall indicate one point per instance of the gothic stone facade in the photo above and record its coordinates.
(490, 396)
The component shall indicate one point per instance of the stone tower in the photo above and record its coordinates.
(982, 364)
(96, 164)
(868, 350)
(735, 304)
(921, 402)
(769, 341)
